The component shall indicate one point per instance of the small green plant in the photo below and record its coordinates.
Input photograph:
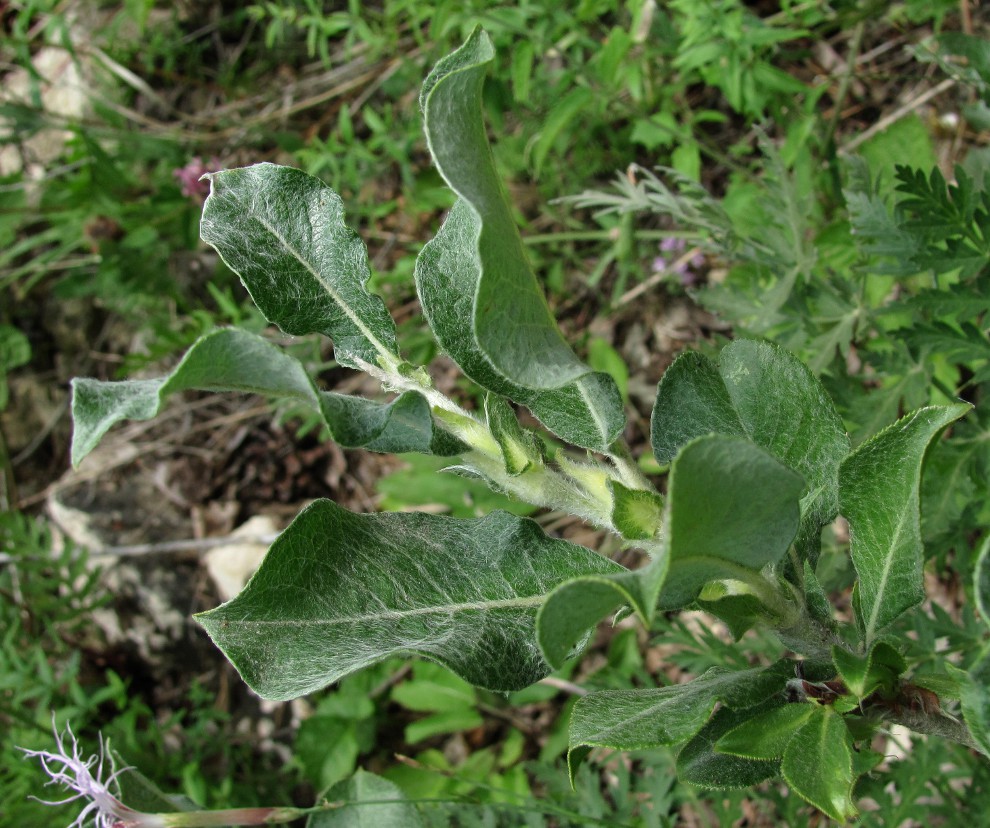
(757, 461)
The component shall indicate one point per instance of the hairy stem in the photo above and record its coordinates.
(541, 485)
(808, 638)
(629, 472)
(934, 724)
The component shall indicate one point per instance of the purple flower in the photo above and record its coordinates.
(76, 774)
(683, 262)
(189, 177)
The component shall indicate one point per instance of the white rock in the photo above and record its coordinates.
(231, 565)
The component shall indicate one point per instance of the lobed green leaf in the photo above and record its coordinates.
(339, 591)
(474, 280)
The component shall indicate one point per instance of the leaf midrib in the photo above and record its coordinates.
(358, 322)
(885, 575)
(396, 615)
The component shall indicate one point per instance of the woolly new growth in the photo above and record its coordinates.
(68, 769)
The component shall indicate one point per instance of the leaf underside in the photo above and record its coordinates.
(635, 719)
(235, 360)
(474, 280)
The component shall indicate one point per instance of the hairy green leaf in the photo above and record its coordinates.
(975, 682)
(519, 448)
(698, 763)
(339, 591)
(739, 612)
(282, 231)
(974, 697)
(766, 735)
(234, 360)
(577, 605)
(633, 719)
(732, 508)
(863, 674)
(818, 763)
(636, 513)
(981, 582)
(817, 600)
(475, 283)
(759, 391)
(879, 490)
(369, 801)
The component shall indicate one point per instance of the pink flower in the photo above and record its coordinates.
(683, 264)
(76, 774)
(189, 177)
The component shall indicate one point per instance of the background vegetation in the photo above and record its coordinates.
(823, 184)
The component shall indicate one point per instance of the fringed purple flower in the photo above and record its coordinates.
(85, 777)
(74, 773)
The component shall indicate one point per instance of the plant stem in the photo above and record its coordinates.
(544, 486)
(935, 725)
(8, 486)
(844, 83)
(631, 474)
(541, 485)
(229, 816)
(809, 639)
